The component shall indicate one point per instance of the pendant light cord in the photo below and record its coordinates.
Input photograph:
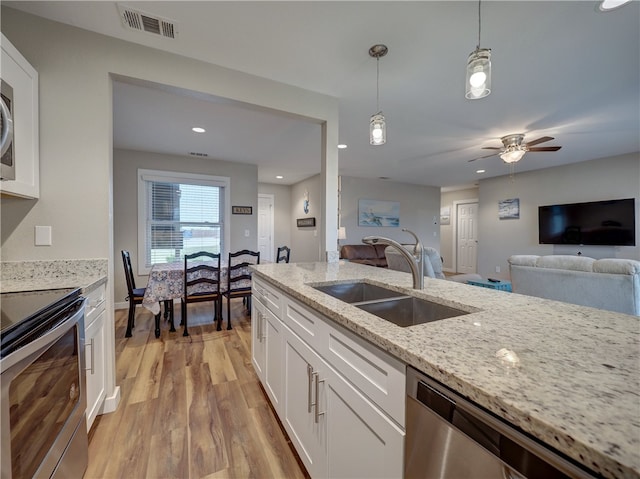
(378, 84)
(479, 25)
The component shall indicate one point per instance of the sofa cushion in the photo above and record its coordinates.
(524, 259)
(561, 261)
(364, 254)
(616, 266)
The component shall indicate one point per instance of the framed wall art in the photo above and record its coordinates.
(378, 213)
(509, 209)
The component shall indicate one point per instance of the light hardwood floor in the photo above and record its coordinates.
(191, 407)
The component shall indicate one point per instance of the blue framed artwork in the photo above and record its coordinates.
(378, 213)
(509, 209)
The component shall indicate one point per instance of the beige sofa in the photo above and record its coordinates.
(612, 284)
(432, 264)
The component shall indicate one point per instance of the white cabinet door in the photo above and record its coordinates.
(272, 328)
(361, 440)
(95, 372)
(298, 415)
(258, 344)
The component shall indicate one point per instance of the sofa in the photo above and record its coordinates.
(372, 255)
(611, 284)
(432, 264)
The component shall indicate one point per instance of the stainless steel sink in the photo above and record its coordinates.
(390, 305)
(357, 292)
(409, 311)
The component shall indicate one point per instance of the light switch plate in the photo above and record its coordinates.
(43, 235)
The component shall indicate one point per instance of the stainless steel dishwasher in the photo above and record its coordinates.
(448, 437)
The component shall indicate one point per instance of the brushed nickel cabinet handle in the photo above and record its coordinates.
(309, 376)
(90, 345)
(317, 402)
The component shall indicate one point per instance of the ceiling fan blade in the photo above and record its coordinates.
(486, 156)
(545, 148)
(542, 139)
(491, 148)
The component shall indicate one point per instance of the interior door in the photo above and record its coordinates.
(467, 237)
(265, 227)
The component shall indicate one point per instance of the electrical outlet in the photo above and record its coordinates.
(246, 233)
(497, 269)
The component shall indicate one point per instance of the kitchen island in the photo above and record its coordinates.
(577, 384)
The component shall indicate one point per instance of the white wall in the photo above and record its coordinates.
(305, 241)
(281, 212)
(418, 207)
(608, 178)
(243, 187)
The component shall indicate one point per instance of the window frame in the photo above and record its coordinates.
(145, 175)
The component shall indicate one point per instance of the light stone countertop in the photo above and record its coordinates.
(576, 388)
(20, 276)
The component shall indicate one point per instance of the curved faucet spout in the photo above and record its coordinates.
(415, 262)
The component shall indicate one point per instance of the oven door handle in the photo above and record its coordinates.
(50, 337)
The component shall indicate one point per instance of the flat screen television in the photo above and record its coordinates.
(610, 223)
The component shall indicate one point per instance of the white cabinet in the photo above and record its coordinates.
(23, 79)
(266, 342)
(340, 399)
(95, 352)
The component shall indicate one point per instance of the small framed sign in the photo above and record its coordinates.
(242, 210)
(304, 222)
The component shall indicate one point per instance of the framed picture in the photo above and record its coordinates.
(241, 210)
(445, 215)
(306, 222)
(378, 213)
(509, 209)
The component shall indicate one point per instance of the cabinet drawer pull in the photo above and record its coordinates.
(317, 402)
(309, 377)
(90, 345)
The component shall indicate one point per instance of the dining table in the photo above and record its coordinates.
(166, 282)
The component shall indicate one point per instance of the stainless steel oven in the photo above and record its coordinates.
(43, 397)
(7, 160)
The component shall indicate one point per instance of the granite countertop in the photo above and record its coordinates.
(22, 276)
(576, 386)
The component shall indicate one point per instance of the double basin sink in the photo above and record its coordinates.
(397, 308)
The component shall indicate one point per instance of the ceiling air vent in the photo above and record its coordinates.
(194, 153)
(145, 22)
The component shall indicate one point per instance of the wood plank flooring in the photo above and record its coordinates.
(191, 407)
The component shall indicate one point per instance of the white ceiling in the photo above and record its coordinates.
(561, 69)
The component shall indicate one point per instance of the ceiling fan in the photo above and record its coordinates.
(514, 148)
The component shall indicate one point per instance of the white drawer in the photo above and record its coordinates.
(380, 376)
(95, 304)
(269, 296)
(305, 323)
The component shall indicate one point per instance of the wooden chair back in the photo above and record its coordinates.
(283, 254)
(128, 273)
(197, 272)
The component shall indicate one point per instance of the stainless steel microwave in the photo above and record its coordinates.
(7, 162)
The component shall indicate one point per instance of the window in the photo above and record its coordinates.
(178, 214)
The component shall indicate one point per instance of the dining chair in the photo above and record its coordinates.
(135, 296)
(239, 278)
(282, 256)
(202, 283)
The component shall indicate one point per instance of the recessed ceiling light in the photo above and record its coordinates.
(608, 5)
(279, 177)
(480, 171)
(198, 129)
(342, 146)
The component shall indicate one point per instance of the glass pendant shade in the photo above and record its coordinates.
(377, 130)
(512, 155)
(478, 84)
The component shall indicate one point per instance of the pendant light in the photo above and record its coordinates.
(478, 84)
(377, 124)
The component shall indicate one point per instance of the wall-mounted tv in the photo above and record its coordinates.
(611, 223)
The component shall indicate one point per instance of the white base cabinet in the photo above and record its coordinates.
(340, 399)
(95, 352)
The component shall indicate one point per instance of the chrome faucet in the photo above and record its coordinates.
(415, 260)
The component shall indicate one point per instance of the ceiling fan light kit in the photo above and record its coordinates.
(377, 123)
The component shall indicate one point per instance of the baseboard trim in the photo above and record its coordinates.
(111, 402)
